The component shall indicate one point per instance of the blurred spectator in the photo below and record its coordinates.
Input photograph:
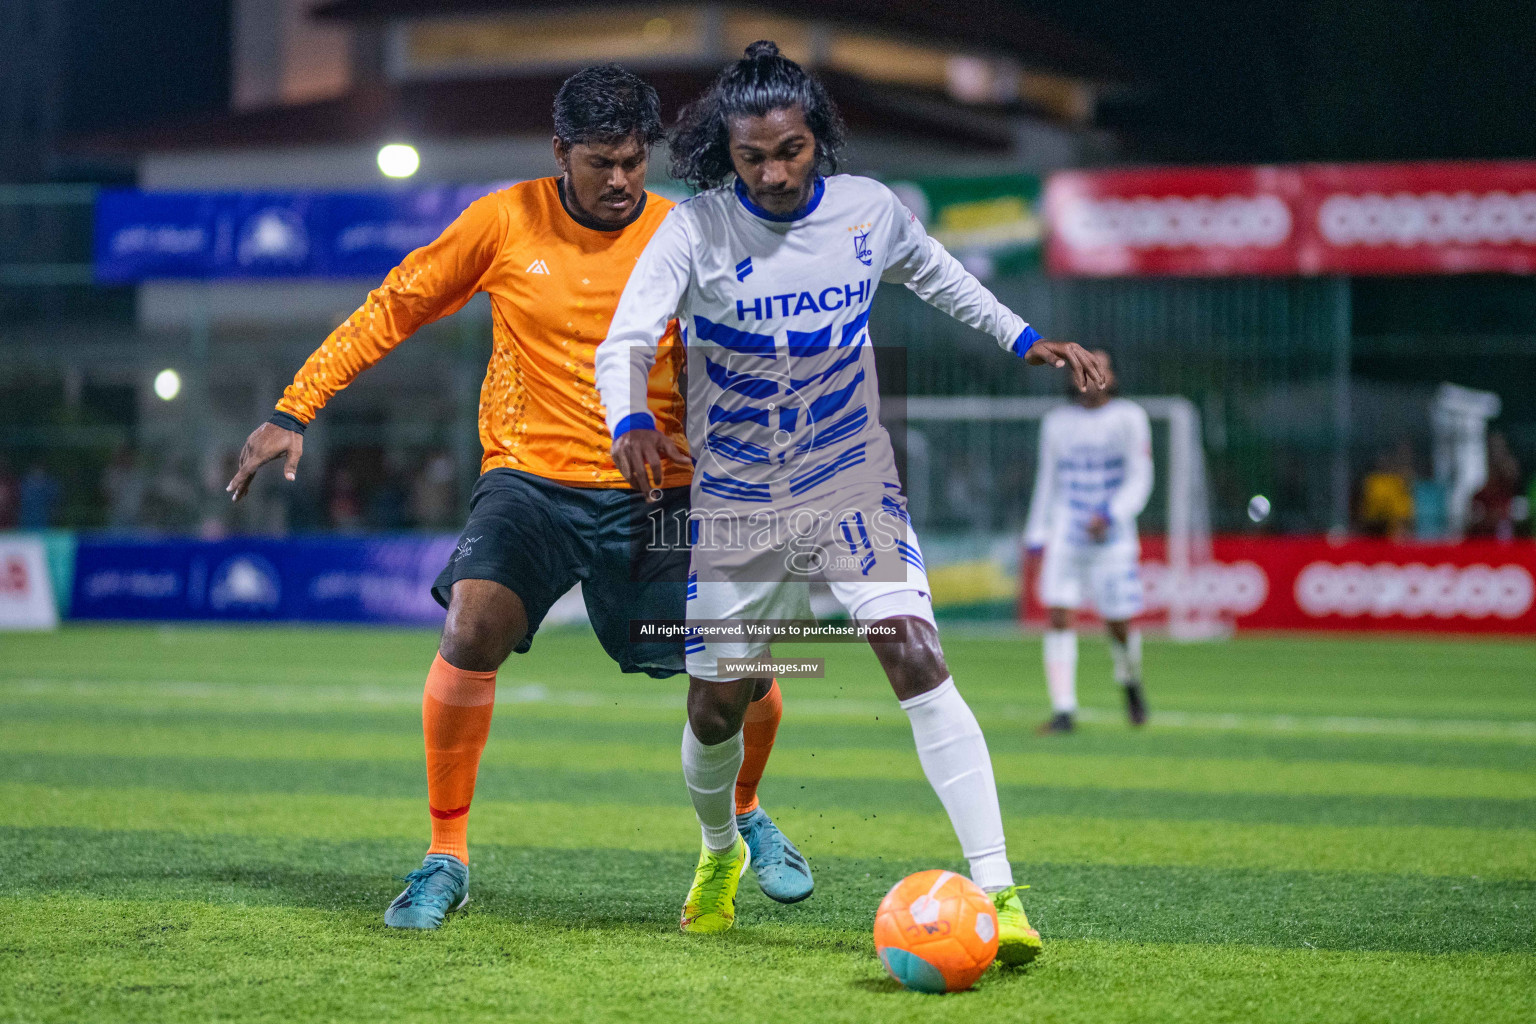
(968, 490)
(172, 499)
(1528, 512)
(123, 485)
(434, 498)
(39, 498)
(10, 496)
(388, 500)
(344, 505)
(1493, 506)
(1431, 510)
(1386, 495)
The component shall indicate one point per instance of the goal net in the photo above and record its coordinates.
(970, 468)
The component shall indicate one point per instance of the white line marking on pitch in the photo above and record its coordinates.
(284, 696)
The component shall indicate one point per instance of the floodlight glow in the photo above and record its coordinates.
(1258, 508)
(397, 160)
(167, 384)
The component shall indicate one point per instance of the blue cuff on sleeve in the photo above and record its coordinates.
(634, 421)
(1026, 338)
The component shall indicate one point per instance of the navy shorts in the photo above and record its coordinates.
(539, 538)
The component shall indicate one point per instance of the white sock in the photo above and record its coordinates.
(710, 772)
(1061, 669)
(954, 756)
(1127, 657)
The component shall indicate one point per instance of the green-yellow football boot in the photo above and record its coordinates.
(1017, 942)
(711, 905)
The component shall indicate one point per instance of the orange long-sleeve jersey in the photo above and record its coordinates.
(553, 286)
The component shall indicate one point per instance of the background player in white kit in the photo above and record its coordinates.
(772, 277)
(1093, 479)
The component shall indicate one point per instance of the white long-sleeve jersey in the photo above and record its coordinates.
(1092, 462)
(783, 401)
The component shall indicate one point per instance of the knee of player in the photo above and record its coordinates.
(716, 710)
(916, 664)
(476, 642)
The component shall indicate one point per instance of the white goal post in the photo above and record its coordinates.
(1188, 497)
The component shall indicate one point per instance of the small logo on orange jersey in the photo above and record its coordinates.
(537, 267)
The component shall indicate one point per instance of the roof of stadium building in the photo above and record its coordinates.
(501, 106)
(992, 26)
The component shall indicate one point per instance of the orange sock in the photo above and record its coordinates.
(758, 729)
(455, 719)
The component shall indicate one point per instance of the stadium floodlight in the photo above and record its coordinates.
(167, 384)
(399, 160)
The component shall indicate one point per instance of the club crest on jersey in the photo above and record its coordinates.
(861, 247)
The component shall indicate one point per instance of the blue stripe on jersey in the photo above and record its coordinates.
(910, 554)
(805, 481)
(737, 490)
(848, 360)
(1087, 463)
(832, 401)
(852, 328)
(737, 450)
(809, 343)
(744, 384)
(839, 431)
(895, 507)
(744, 342)
(746, 414)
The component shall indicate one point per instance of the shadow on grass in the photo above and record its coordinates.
(599, 888)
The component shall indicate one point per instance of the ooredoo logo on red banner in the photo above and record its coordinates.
(1415, 590)
(1307, 219)
(1174, 221)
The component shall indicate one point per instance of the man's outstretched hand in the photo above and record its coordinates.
(267, 442)
(641, 451)
(1087, 368)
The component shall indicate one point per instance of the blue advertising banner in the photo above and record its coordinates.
(158, 235)
(323, 579)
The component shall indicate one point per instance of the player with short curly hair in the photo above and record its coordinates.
(550, 510)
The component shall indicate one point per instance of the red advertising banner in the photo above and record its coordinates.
(1199, 221)
(1306, 219)
(1310, 583)
(1429, 218)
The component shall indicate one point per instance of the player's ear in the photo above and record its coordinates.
(562, 154)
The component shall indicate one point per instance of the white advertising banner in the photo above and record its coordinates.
(26, 592)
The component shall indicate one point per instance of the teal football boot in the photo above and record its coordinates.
(437, 888)
(782, 872)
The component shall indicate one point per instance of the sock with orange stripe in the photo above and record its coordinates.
(758, 730)
(456, 720)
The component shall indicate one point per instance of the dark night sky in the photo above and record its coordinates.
(1245, 80)
(145, 61)
(1276, 80)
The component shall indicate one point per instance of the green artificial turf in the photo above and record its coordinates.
(206, 824)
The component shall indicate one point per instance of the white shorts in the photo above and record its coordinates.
(866, 553)
(1111, 577)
